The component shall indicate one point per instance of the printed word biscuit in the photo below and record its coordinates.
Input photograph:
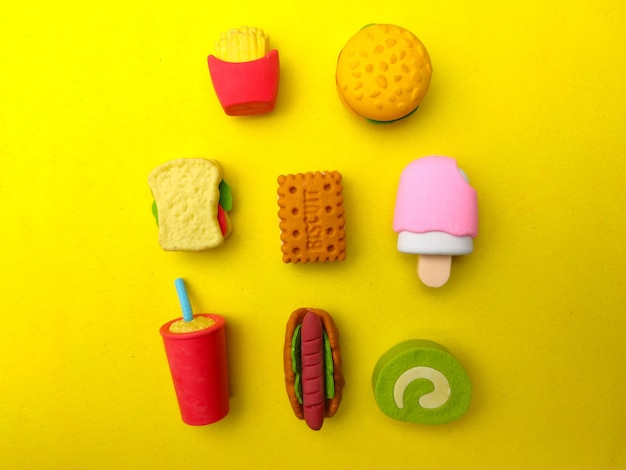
(311, 215)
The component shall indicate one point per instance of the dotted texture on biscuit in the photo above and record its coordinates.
(311, 215)
(383, 72)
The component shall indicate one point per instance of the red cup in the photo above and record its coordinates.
(199, 371)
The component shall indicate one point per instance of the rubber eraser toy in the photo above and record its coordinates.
(195, 346)
(383, 73)
(419, 381)
(191, 204)
(245, 72)
(312, 221)
(436, 216)
(312, 362)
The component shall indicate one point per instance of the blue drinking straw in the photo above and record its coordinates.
(183, 298)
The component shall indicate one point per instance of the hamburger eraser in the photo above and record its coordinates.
(191, 204)
(245, 72)
(383, 73)
(419, 381)
(312, 221)
(312, 362)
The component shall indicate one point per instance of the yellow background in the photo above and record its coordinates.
(529, 98)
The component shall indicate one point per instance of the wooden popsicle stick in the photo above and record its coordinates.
(434, 270)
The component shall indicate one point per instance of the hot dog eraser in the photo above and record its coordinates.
(245, 72)
(312, 362)
(419, 381)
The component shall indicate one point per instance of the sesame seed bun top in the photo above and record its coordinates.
(383, 73)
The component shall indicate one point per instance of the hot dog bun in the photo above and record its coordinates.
(311, 349)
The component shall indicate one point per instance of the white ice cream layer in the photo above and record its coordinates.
(434, 243)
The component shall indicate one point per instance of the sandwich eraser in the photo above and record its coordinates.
(312, 221)
(383, 73)
(245, 72)
(191, 204)
(419, 381)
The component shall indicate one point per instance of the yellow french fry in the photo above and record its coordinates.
(242, 45)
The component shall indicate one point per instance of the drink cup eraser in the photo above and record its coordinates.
(196, 354)
(419, 381)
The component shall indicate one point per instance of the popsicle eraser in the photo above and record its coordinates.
(419, 381)
(245, 72)
(436, 215)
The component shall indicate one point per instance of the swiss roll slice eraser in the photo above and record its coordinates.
(419, 381)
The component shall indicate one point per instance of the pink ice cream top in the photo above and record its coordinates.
(433, 196)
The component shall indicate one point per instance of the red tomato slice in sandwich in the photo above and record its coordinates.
(222, 220)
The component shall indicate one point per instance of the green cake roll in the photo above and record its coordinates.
(419, 381)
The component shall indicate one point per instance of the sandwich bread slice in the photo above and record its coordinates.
(187, 205)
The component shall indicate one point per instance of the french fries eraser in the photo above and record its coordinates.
(312, 362)
(245, 72)
(419, 381)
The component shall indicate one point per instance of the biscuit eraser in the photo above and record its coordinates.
(245, 72)
(419, 381)
(312, 221)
